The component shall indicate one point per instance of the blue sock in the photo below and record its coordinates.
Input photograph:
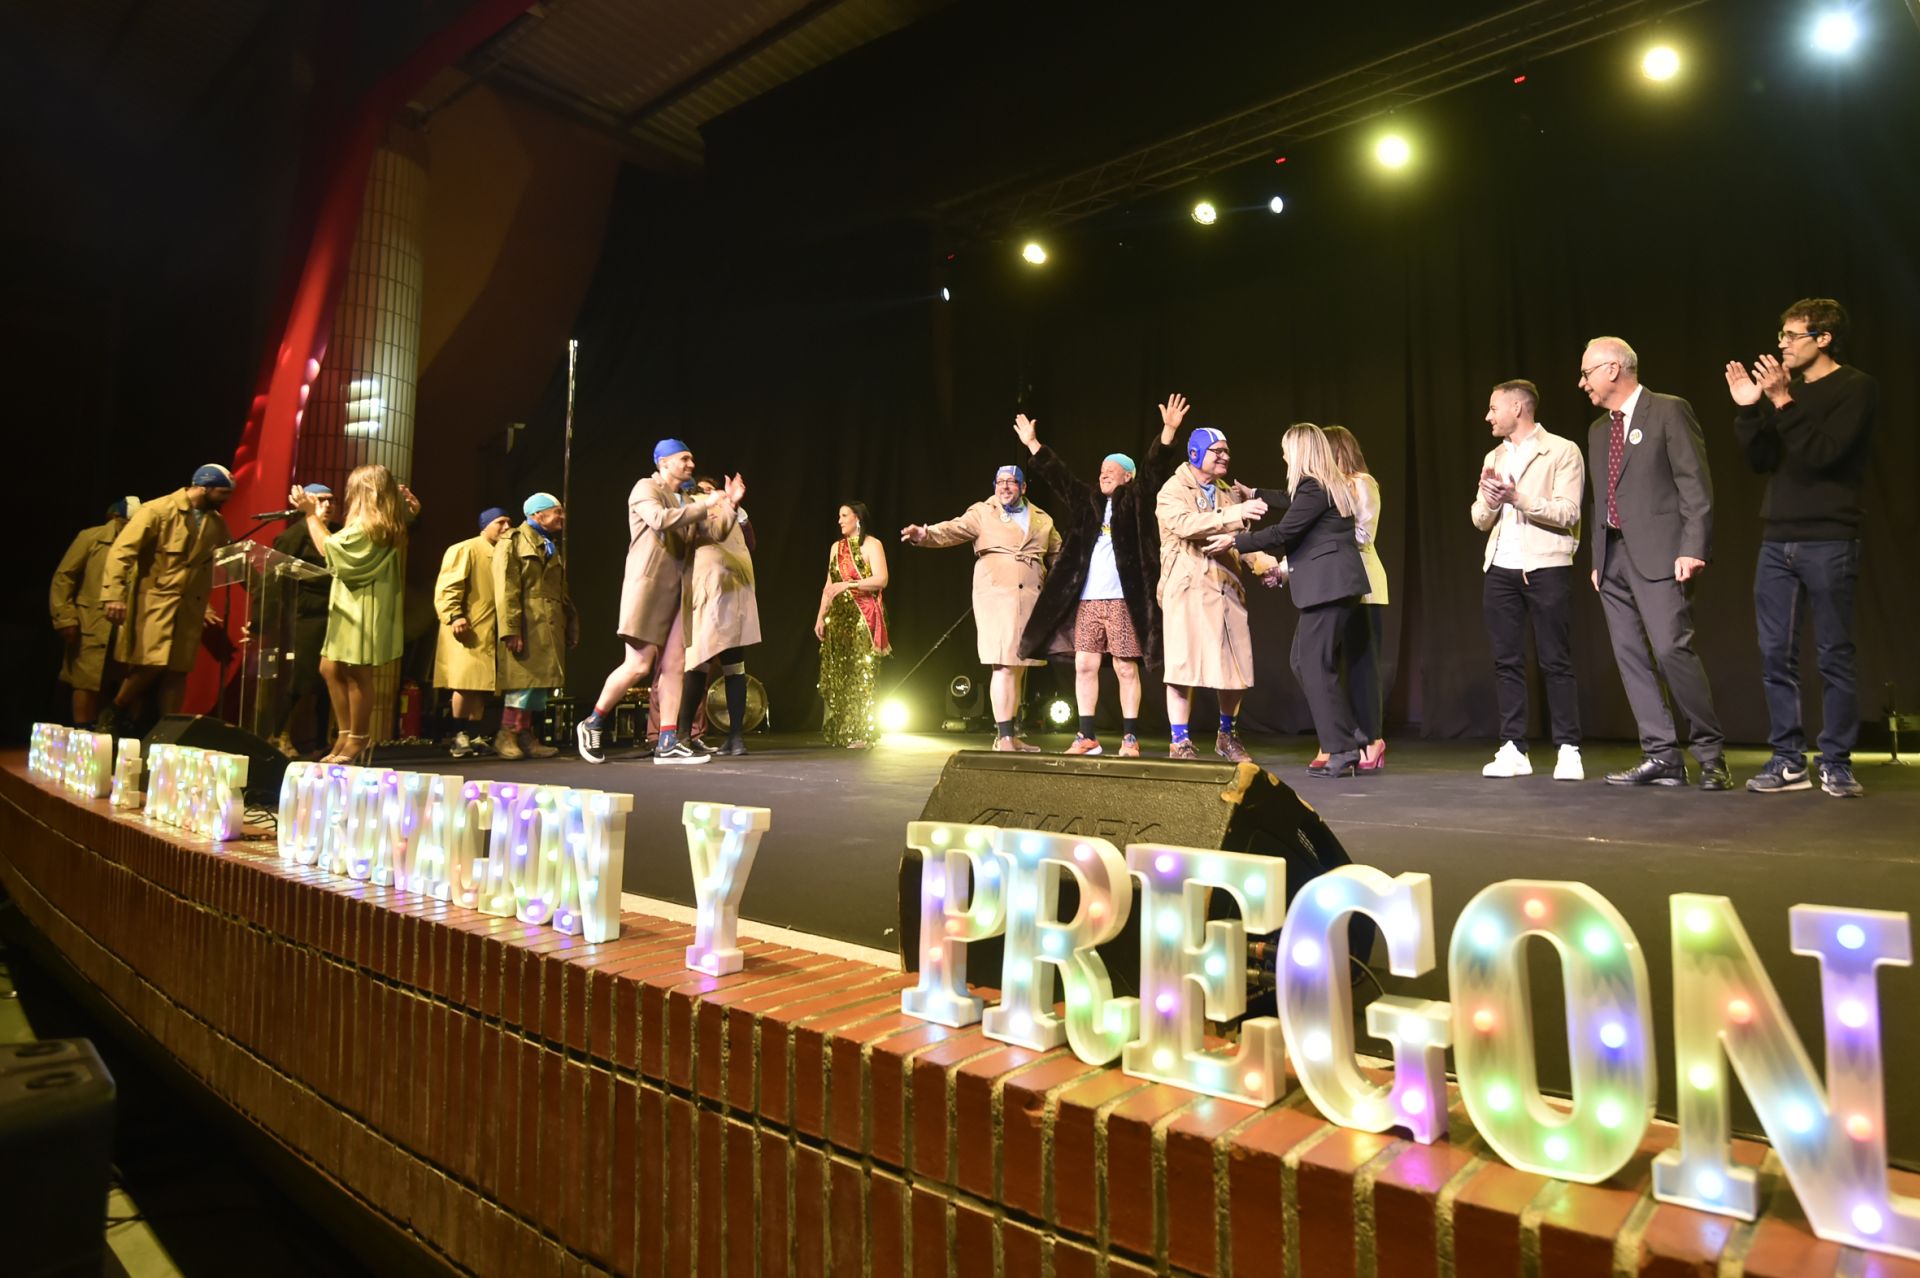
(1179, 731)
(1087, 728)
(1226, 723)
(1129, 727)
(665, 741)
(1004, 727)
(595, 719)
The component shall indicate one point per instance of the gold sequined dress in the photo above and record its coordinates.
(856, 640)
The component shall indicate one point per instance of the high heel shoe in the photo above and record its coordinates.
(1344, 764)
(335, 753)
(1378, 763)
(1319, 761)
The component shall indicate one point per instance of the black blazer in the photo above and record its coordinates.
(1665, 494)
(1323, 559)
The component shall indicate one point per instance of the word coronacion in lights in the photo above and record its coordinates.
(979, 882)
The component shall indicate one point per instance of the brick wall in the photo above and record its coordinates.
(522, 1103)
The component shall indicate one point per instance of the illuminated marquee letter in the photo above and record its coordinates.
(597, 837)
(1097, 1025)
(721, 843)
(89, 763)
(1610, 1034)
(1316, 1002)
(1831, 1141)
(162, 792)
(951, 916)
(1180, 949)
(126, 775)
(469, 820)
(403, 816)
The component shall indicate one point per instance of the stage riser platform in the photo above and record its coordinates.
(520, 1103)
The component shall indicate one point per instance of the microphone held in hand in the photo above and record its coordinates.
(277, 514)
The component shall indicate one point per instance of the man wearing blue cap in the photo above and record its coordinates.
(1014, 545)
(537, 624)
(1099, 599)
(305, 728)
(664, 524)
(158, 579)
(464, 656)
(77, 616)
(1201, 596)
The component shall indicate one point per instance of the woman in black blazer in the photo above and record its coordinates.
(1327, 579)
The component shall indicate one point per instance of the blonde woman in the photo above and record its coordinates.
(1326, 580)
(367, 557)
(1363, 642)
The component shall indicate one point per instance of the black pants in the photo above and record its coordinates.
(1361, 648)
(1317, 650)
(1511, 599)
(1820, 574)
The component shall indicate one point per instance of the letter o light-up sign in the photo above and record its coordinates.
(1610, 1029)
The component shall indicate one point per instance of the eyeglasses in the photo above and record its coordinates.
(1788, 335)
(1586, 373)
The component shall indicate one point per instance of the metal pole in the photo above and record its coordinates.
(566, 454)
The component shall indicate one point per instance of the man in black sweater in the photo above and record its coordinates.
(1806, 422)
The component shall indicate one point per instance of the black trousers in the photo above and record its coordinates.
(1361, 648)
(1543, 598)
(1318, 642)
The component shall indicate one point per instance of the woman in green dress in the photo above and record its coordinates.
(367, 558)
(852, 630)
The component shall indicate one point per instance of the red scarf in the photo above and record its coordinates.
(849, 566)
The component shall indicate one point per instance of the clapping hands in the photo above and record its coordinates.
(1768, 377)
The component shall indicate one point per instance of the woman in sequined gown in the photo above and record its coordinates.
(852, 630)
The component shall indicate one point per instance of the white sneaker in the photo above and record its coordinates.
(1509, 761)
(1569, 768)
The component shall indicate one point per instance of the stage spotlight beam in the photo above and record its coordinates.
(1393, 151)
(1035, 253)
(1835, 32)
(893, 715)
(1205, 214)
(1660, 63)
(1276, 205)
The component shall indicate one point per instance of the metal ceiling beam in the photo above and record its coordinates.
(1534, 30)
(729, 61)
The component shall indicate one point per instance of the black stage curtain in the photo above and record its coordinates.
(1536, 217)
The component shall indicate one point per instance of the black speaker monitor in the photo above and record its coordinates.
(265, 765)
(56, 1142)
(1184, 803)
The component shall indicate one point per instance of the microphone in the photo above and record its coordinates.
(277, 514)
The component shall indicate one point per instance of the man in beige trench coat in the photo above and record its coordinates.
(74, 601)
(1014, 544)
(464, 654)
(663, 527)
(537, 623)
(722, 620)
(155, 587)
(1202, 601)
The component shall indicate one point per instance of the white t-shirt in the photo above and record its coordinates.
(1103, 572)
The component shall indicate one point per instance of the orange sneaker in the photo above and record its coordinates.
(1129, 747)
(1085, 745)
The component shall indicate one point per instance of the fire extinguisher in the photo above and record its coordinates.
(412, 711)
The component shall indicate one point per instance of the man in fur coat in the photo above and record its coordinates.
(1099, 599)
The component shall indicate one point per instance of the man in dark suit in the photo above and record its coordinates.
(1653, 522)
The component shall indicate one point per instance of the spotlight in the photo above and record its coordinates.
(1059, 713)
(1035, 255)
(946, 294)
(1276, 205)
(893, 715)
(1205, 214)
(1835, 32)
(1661, 62)
(1393, 151)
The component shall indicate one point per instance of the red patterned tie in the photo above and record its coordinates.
(1616, 453)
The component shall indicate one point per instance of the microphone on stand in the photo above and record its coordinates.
(266, 516)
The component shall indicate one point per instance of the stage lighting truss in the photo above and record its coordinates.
(1480, 50)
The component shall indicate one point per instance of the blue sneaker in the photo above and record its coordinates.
(1837, 779)
(1781, 774)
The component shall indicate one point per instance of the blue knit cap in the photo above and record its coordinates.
(1121, 460)
(667, 448)
(319, 490)
(1202, 438)
(1019, 476)
(537, 503)
(212, 476)
(492, 513)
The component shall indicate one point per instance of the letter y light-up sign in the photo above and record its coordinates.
(721, 842)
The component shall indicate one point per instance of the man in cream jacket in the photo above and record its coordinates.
(1528, 504)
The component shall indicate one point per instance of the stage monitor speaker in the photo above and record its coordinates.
(265, 765)
(56, 1142)
(1236, 808)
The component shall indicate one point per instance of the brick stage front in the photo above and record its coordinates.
(519, 1103)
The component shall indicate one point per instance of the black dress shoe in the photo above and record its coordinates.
(1651, 771)
(1714, 775)
(735, 748)
(1344, 764)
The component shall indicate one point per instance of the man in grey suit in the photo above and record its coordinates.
(1653, 522)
